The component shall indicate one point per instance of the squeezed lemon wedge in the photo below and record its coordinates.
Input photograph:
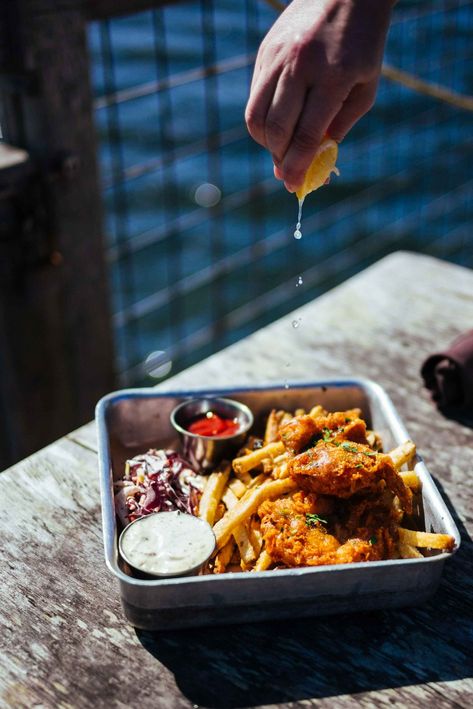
(320, 168)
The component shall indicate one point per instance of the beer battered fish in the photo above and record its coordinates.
(342, 469)
(295, 532)
(300, 431)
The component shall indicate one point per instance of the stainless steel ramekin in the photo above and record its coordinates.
(204, 452)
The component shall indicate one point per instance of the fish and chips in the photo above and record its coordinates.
(316, 489)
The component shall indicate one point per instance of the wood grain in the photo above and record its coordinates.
(55, 325)
(64, 641)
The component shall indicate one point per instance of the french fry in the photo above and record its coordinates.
(285, 418)
(212, 494)
(271, 429)
(299, 412)
(281, 470)
(247, 462)
(374, 440)
(402, 454)
(229, 498)
(425, 540)
(241, 532)
(241, 536)
(223, 557)
(248, 505)
(219, 512)
(244, 477)
(411, 479)
(316, 411)
(407, 551)
(256, 538)
(258, 480)
(237, 487)
(269, 464)
(264, 561)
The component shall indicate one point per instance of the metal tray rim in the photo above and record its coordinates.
(108, 511)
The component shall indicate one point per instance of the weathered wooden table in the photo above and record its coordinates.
(64, 640)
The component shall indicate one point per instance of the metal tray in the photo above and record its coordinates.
(131, 421)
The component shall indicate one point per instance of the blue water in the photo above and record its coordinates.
(405, 177)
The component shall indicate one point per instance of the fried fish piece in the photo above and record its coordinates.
(298, 433)
(295, 533)
(345, 468)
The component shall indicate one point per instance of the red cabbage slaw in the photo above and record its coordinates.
(157, 481)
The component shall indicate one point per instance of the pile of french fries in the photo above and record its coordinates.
(234, 492)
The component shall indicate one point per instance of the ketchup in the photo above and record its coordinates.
(211, 424)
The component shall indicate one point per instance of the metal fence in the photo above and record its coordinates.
(200, 243)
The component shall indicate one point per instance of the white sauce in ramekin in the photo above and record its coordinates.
(167, 543)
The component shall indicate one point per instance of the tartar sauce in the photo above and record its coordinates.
(167, 543)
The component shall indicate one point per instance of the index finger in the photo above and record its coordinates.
(259, 101)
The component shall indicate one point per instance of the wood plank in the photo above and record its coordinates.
(85, 436)
(59, 603)
(55, 320)
(58, 581)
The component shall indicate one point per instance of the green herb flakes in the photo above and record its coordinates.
(350, 448)
(312, 520)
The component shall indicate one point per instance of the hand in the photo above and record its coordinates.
(316, 73)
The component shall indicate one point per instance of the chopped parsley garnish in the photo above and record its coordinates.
(327, 433)
(348, 447)
(312, 519)
(359, 465)
(371, 454)
(372, 540)
(347, 420)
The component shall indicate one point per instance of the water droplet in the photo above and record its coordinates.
(286, 385)
(298, 234)
(299, 281)
(288, 364)
(296, 323)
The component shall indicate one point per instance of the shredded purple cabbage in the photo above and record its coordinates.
(159, 481)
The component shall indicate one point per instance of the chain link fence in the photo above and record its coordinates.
(200, 236)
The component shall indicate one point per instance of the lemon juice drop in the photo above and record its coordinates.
(298, 233)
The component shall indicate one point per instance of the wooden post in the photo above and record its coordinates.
(56, 355)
